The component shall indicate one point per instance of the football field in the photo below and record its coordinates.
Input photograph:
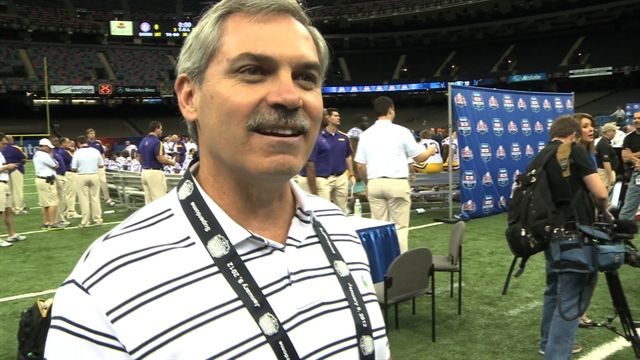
(492, 326)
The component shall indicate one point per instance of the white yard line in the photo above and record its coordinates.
(26, 296)
(605, 350)
(65, 229)
(523, 308)
(425, 225)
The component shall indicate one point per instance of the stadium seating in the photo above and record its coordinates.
(65, 65)
(134, 67)
(100, 10)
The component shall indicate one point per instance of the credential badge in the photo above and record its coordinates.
(366, 345)
(218, 246)
(341, 268)
(268, 324)
(185, 190)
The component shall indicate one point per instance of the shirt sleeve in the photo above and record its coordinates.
(584, 164)
(314, 153)
(411, 147)
(74, 162)
(80, 329)
(158, 148)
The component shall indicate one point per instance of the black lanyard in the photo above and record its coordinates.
(234, 270)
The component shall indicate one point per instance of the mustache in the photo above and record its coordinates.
(260, 118)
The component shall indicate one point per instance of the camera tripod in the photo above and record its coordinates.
(629, 331)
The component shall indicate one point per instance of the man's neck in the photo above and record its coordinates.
(83, 145)
(262, 207)
(384, 118)
(331, 128)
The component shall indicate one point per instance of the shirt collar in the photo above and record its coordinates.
(235, 232)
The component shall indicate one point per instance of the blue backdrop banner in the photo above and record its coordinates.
(631, 109)
(499, 131)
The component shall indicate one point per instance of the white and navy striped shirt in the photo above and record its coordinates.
(149, 289)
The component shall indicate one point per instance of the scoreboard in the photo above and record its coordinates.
(163, 29)
(152, 28)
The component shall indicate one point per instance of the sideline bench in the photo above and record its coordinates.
(440, 180)
(128, 186)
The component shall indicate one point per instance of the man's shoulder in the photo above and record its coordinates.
(146, 229)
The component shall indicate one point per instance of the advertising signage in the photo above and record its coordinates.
(528, 77)
(135, 90)
(354, 89)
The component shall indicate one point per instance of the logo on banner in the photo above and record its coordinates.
(557, 102)
(469, 179)
(466, 153)
(541, 145)
(508, 103)
(538, 127)
(535, 104)
(569, 104)
(468, 207)
(487, 204)
(503, 177)
(493, 103)
(526, 127)
(522, 105)
(513, 128)
(516, 152)
(477, 101)
(501, 153)
(482, 127)
(464, 126)
(549, 123)
(498, 129)
(502, 203)
(460, 100)
(515, 174)
(485, 152)
(546, 105)
(487, 180)
(528, 150)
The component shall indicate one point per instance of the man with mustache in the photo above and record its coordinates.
(237, 261)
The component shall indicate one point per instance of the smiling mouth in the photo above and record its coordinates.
(281, 132)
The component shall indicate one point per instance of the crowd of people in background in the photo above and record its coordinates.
(72, 172)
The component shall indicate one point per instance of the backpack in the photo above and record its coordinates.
(533, 215)
(33, 328)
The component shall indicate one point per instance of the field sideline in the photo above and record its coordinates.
(491, 326)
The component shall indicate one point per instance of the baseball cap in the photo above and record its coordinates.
(608, 126)
(46, 142)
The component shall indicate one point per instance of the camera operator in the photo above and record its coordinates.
(45, 166)
(568, 293)
(631, 153)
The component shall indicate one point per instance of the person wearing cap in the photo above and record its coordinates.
(45, 166)
(606, 157)
(5, 196)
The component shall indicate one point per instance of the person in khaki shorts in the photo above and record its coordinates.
(151, 151)
(86, 163)
(45, 166)
(5, 196)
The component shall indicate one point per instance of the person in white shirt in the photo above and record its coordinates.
(449, 147)
(131, 148)
(135, 165)
(619, 116)
(433, 165)
(238, 259)
(5, 196)
(86, 162)
(45, 166)
(382, 163)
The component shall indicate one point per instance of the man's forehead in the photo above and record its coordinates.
(240, 29)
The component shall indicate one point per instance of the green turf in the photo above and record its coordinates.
(489, 327)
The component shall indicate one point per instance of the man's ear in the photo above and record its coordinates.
(186, 91)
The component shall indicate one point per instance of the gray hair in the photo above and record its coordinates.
(204, 42)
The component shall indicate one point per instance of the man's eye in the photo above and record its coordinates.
(251, 70)
(309, 78)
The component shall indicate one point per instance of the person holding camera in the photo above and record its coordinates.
(45, 166)
(568, 294)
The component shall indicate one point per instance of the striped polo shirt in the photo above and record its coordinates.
(149, 289)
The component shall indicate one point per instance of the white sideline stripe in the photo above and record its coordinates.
(425, 225)
(25, 296)
(446, 289)
(65, 229)
(521, 309)
(605, 350)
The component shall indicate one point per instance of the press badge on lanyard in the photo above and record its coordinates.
(637, 179)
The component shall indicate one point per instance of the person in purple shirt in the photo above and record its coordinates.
(15, 155)
(151, 151)
(315, 174)
(61, 182)
(69, 205)
(102, 175)
(179, 148)
(340, 150)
